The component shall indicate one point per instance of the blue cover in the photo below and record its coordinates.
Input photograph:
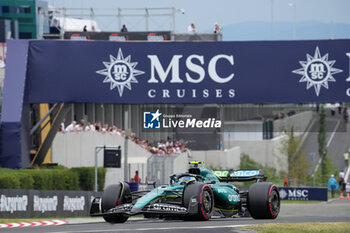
(189, 72)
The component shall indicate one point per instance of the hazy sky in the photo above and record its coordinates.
(203, 13)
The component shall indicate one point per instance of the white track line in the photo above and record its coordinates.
(328, 144)
(333, 133)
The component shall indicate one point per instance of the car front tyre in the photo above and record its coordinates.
(114, 195)
(205, 200)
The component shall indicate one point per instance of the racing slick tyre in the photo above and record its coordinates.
(263, 200)
(113, 196)
(205, 199)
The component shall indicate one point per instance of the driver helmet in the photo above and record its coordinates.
(187, 179)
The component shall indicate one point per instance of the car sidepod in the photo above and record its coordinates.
(226, 197)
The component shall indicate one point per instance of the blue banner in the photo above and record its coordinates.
(303, 194)
(164, 72)
(189, 72)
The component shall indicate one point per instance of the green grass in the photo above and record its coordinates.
(314, 227)
(336, 194)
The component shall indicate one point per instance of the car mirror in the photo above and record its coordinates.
(153, 183)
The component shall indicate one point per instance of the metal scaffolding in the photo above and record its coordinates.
(122, 15)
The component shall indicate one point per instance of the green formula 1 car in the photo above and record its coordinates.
(196, 195)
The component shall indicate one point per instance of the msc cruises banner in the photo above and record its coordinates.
(189, 72)
(303, 193)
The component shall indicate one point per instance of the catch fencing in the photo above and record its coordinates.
(159, 168)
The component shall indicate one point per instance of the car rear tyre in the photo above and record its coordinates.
(263, 200)
(204, 197)
(114, 195)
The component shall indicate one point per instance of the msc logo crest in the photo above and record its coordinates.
(151, 120)
(120, 72)
(317, 71)
(283, 194)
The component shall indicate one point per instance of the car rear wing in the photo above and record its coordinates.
(240, 175)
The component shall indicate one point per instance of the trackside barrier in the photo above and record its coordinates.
(22, 203)
(303, 194)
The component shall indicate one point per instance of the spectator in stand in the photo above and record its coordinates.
(80, 126)
(122, 132)
(144, 144)
(77, 128)
(71, 127)
(163, 147)
(291, 113)
(82, 123)
(285, 182)
(115, 129)
(119, 132)
(124, 29)
(332, 185)
(105, 128)
(98, 126)
(133, 137)
(217, 28)
(89, 127)
(62, 128)
(191, 29)
(85, 29)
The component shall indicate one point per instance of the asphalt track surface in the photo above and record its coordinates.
(338, 140)
(333, 211)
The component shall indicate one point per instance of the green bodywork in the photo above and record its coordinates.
(163, 191)
(226, 195)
